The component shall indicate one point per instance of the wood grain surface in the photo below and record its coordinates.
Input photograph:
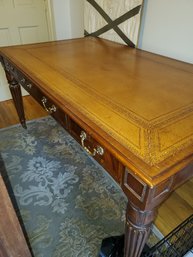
(141, 103)
(171, 213)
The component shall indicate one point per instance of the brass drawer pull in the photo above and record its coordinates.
(98, 150)
(48, 109)
(23, 81)
(29, 85)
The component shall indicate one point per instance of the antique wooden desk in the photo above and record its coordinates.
(131, 110)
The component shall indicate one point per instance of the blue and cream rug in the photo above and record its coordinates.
(68, 203)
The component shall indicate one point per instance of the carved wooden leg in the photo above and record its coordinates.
(138, 226)
(15, 90)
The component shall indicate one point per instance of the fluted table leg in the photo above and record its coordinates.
(138, 226)
(15, 90)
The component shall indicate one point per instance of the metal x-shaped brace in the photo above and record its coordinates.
(113, 24)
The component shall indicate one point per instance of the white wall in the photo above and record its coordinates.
(4, 88)
(77, 18)
(61, 13)
(68, 18)
(167, 28)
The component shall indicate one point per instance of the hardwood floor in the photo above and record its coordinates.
(8, 115)
(172, 212)
(177, 208)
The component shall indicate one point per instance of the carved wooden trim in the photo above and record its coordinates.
(134, 185)
(162, 189)
(138, 226)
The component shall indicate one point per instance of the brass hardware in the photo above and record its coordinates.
(23, 80)
(98, 150)
(48, 109)
(29, 85)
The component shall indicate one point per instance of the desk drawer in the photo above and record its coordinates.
(89, 143)
(42, 99)
(96, 150)
(24, 82)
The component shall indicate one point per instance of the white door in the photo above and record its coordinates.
(21, 22)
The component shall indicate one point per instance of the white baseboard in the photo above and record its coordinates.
(157, 232)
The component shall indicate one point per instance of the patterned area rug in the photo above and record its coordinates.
(68, 203)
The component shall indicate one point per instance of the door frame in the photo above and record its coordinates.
(51, 32)
(50, 19)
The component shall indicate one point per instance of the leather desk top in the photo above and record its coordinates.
(139, 104)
